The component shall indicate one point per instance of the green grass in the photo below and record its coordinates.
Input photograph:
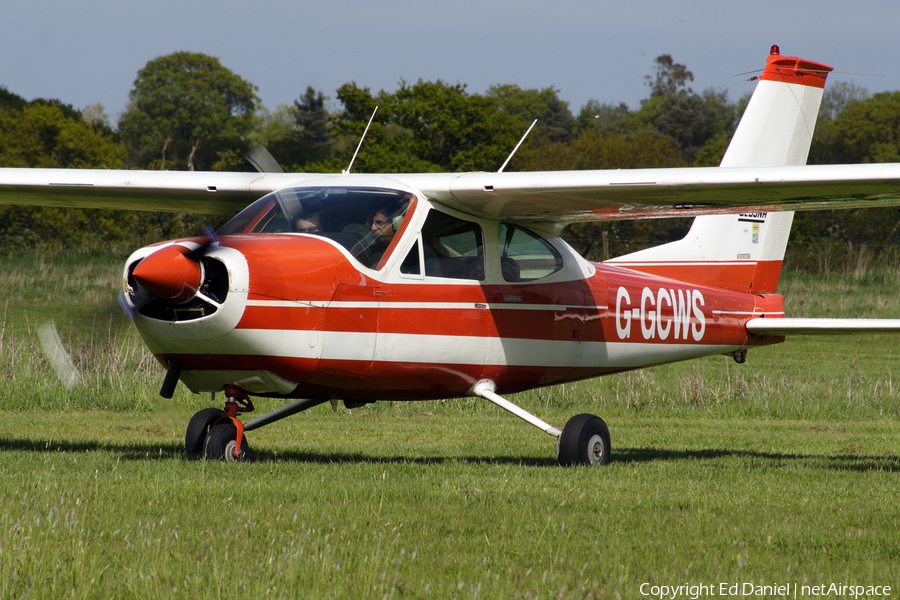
(781, 470)
(356, 505)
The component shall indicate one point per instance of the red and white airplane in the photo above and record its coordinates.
(424, 286)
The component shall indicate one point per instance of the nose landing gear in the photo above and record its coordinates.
(219, 434)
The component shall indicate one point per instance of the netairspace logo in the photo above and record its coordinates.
(785, 590)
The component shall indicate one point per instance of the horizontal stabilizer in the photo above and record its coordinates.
(763, 326)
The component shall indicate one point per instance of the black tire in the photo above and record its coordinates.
(197, 430)
(584, 441)
(221, 442)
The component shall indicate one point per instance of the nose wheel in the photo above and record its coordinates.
(218, 434)
(221, 444)
(198, 429)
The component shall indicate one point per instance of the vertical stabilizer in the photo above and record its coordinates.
(745, 252)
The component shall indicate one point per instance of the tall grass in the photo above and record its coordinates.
(76, 296)
(863, 263)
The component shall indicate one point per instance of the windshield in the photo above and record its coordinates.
(365, 221)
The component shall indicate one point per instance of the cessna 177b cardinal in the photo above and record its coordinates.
(424, 286)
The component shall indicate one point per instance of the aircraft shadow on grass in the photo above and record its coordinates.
(175, 450)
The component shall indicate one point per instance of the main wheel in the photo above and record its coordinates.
(221, 442)
(197, 430)
(584, 441)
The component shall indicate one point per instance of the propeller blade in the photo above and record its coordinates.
(57, 356)
(262, 161)
(125, 306)
(200, 251)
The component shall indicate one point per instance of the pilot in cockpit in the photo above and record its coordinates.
(383, 226)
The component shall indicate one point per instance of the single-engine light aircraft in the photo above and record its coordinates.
(360, 288)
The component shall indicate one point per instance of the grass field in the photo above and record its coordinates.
(783, 470)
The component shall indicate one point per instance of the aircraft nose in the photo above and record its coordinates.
(170, 274)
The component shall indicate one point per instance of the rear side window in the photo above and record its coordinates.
(525, 255)
(453, 248)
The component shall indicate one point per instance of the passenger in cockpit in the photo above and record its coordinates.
(311, 223)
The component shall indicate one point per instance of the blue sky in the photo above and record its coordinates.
(90, 52)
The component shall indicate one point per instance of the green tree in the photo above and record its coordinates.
(450, 128)
(300, 134)
(692, 120)
(836, 97)
(51, 134)
(865, 131)
(47, 134)
(596, 149)
(387, 147)
(186, 110)
(604, 117)
(668, 77)
(313, 120)
(555, 120)
(425, 127)
(11, 100)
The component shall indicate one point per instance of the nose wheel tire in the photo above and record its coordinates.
(221, 442)
(197, 430)
(584, 441)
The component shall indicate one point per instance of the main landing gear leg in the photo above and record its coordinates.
(583, 441)
(220, 434)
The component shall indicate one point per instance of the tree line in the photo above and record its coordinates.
(188, 112)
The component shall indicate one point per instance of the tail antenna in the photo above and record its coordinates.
(347, 172)
(511, 154)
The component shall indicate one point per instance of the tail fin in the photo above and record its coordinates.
(745, 252)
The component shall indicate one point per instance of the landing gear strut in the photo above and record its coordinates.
(583, 441)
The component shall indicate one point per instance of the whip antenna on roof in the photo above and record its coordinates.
(517, 147)
(360, 142)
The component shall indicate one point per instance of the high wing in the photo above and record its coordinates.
(567, 196)
(552, 197)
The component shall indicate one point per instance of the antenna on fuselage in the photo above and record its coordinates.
(511, 154)
(360, 142)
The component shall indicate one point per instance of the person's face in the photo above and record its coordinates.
(380, 225)
(310, 225)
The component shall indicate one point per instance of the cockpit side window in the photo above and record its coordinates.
(525, 255)
(365, 221)
(453, 248)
